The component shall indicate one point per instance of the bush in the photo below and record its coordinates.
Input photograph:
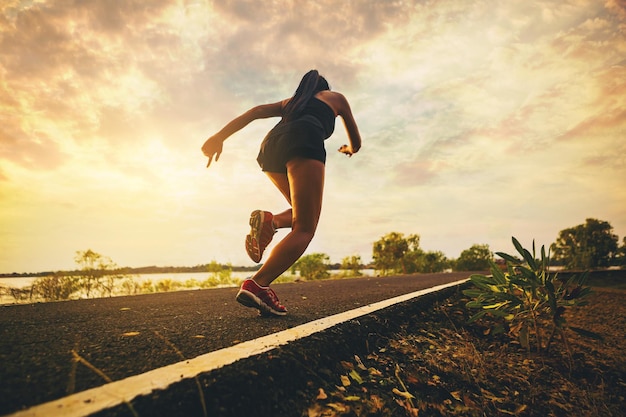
(56, 287)
(527, 299)
(313, 266)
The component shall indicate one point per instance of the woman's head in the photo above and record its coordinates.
(311, 84)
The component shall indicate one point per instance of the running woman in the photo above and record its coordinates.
(293, 156)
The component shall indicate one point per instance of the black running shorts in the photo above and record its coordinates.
(290, 140)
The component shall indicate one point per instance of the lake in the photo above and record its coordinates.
(181, 277)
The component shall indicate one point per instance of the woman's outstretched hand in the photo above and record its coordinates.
(212, 147)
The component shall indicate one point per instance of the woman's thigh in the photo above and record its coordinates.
(281, 182)
(306, 185)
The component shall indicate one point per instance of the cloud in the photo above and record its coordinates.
(107, 104)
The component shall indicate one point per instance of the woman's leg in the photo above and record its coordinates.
(305, 178)
(281, 181)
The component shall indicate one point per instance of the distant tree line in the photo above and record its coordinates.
(135, 271)
(587, 246)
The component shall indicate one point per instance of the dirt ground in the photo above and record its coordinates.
(438, 365)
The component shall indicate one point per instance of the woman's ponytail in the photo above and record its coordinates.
(311, 84)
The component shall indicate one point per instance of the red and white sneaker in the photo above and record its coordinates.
(261, 233)
(264, 299)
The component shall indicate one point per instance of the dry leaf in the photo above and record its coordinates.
(337, 407)
(317, 411)
(377, 402)
(403, 394)
(130, 334)
(321, 395)
(345, 381)
(355, 375)
(359, 363)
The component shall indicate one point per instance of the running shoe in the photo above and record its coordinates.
(264, 299)
(261, 233)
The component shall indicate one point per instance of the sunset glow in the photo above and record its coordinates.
(481, 120)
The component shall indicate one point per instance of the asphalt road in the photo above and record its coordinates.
(124, 336)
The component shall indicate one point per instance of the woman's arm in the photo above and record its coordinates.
(352, 129)
(213, 145)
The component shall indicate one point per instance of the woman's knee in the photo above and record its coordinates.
(305, 230)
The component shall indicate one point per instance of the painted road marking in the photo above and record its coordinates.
(125, 390)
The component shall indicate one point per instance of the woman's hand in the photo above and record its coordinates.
(347, 150)
(212, 147)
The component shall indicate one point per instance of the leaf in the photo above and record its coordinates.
(587, 333)
(377, 403)
(477, 316)
(472, 292)
(345, 381)
(321, 395)
(508, 258)
(495, 306)
(518, 246)
(352, 398)
(491, 396)
(474, 304)
(355, 375)
(530, 260)
(498, 275)
(341, 408)
(130, 334)
(456, 395)
(403, 394)
(359, 363)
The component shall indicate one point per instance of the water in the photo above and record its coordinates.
(140, 279)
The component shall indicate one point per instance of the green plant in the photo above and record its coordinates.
(312, 267)
(527, 298)
(351, 265)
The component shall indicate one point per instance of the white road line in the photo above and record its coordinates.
(125, 390)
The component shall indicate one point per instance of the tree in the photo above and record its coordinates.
(352, 265)
(434, 262)
(586, 246)
(476, 258)
(620, 259)
(393, 253)
(93, 267)
(313, 266)
(219, 274)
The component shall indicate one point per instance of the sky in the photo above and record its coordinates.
(481, 120)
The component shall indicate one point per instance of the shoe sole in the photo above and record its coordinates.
(248, 299)
(256, 222)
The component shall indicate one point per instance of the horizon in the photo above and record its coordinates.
(369, 263)
(480, 121)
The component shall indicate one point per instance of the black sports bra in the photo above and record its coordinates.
(319, 113)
